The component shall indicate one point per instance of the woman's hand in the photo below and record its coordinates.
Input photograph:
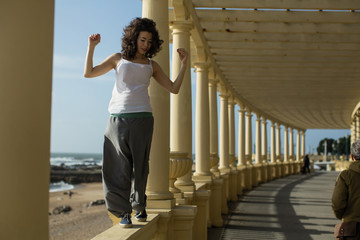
(94, 39)
(183, 55)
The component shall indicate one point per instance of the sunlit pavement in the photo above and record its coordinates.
(296, 207)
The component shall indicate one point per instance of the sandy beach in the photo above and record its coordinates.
(82, 222)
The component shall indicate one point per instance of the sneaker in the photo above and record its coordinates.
(126, 221)
(141, 216)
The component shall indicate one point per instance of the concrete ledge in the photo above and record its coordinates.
(139, 231)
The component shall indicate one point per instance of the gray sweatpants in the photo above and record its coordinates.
(126, 163)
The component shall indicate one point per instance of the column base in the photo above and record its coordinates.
(160, 204)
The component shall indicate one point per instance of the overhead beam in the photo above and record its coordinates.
(271, 4)
(281, 37)
(283, 52)
(291, 65)
(284, 45)
(278, 16)
(280, 27)
(288, 59)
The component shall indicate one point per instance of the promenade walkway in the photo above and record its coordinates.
(296, 207)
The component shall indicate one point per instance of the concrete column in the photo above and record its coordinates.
(241, 166)
(286, 144)
(181, 113)
(303, 143)
(241, 141)
(357, 127)
(273, 144)
(248, 143)
(25, 94)
(202, 124)
(273, 167)
(278, 142)
(224, 149)
(158, 180)
(258, 139)
(248, 151)
(353, 134)
(232, 160)
(264, 144)
(291, 144)
(298, 144)
(286, 170)
(224, 133)
(257, 176)
(214, 141)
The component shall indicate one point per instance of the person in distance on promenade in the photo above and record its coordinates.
(346, 195)
(129, 132)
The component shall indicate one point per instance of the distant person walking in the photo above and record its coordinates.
(306, 166)
(346, 195)
(129, 132)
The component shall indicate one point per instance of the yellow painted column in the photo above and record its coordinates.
(224, 134)
(273, 171)
(214, 142)
(241, 151)
(248, 143)
(231, 104)
(286, 151)
(298, 144)
(26, 59)
(352, 129)
(278, 143)
(248, 150)
(258, 164)
(181, 110)
(291, 144)
(286, 144)
(303, 143)
(279, 165)
(217, 184)
(202, 124)
(264, 144)
(224, 148)
(158, 180)
(273, 143)
(232, 159)
(264, 156)
(357, 126)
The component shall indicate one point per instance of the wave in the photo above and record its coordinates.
(60, 186)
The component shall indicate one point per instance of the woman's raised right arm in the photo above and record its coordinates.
(104, 67)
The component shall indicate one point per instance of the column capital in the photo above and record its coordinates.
(242, 110)
(231, 101)
(201, 66)
(213, 82)
(179, 26)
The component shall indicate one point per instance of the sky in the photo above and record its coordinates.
(79, 105)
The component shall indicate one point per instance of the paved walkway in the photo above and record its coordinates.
(297, 207)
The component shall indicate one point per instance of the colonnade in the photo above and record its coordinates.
(200, 193)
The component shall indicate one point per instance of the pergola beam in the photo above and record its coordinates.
(284, 45)
(281, 37)
(271, 4)
(278, 16)
(280, 27)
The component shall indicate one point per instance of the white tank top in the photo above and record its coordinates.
(130, 92)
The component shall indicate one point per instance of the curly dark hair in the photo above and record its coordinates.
(130, 36)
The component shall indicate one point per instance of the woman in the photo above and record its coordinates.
(129, 132)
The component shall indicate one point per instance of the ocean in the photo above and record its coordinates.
(72, 161)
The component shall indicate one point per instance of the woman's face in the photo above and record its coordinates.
(144, 42)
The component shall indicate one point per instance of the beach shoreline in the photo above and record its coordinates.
(82, 222)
